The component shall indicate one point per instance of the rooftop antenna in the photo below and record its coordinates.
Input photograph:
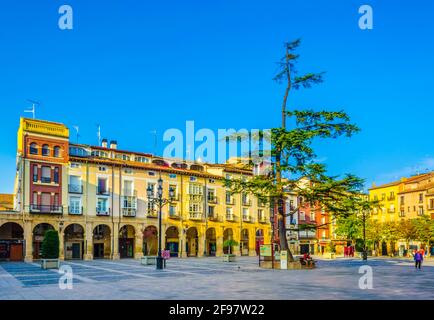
(154, 132)
(33, 110)
(98, 133)
(77, 128)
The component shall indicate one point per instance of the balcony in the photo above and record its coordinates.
(103, 212)
(129, 212)
(43, 209)
(175, 198)
(75, 188)
(213, 217)
(248, 219)
(230, 201)
(391, 210)
(247, 202)
(152, 214)
(76, 211)
(391, 198)
(195, 215)
(212, 200)
(231, 218)
(174, 215)
(262, 219)
(102, 192)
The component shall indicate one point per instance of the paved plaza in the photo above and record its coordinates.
(210, 278)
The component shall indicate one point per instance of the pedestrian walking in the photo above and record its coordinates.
(418, 258)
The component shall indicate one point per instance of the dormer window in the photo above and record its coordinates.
(45, 150)
(33, 148)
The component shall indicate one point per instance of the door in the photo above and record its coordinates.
(212, 249)
(16, 253)
(76, 251)
(98, 250)
(304, 248)
(173, 247)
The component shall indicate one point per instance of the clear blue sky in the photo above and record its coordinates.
(136, 66)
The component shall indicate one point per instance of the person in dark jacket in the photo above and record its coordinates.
(418, 258)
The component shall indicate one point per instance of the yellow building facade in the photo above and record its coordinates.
(96, 198)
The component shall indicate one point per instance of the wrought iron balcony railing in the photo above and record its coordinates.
(75, 210)
(44, 209)
(129, 212)
(75, 188)
(103, 211)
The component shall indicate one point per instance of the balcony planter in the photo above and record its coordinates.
(229, 258)
(50, 264)
(149, 261)
(50, 250)
(229, 244)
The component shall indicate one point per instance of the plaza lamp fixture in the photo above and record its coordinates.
(160, 202)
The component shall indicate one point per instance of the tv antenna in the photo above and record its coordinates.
(33, 110)
(77, 129)
(98, 133)
(154, 133)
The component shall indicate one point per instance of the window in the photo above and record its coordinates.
(56, 151)
(323, 220)
(56, 200)
(46, 199)
(431, 203)
(102, 169)
(211, 210)
(195, 189)
(193, 179)
(246, 213)
(420, 197)
(102, 207)
(75, 205)
(172, 176)
(229, 211)
(402, 200)
(33, 148)
(141, 159)
(312, 216)
(35, 198)
(45, 150)
(35, 173)
(56, 175)
(128, 188)
(302, 215)
(75, 184)
(75, 165)
(211, 181)
(151, 173)
(420, 211)
(260, 214)
(102, 186)
(46, 175)
(228, 197)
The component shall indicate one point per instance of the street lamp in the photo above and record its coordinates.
(365, 250)
(160, 202)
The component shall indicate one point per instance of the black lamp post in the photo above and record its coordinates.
(160, 202)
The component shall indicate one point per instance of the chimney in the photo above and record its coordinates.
(104, 143)
(113, 144)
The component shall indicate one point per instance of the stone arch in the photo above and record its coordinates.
(211, 242)
(74, 241)
(11, 241)
(127, 235)
(102, 241)
(244, 242)
(38, 236)
(260, 240)
(172, 241)
(228, 234)
(192, 242)
(150, 241)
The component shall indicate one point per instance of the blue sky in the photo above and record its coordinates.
(136, 66)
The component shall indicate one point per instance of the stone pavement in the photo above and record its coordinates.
(210, 278)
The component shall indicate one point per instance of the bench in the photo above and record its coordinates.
(149, 261)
